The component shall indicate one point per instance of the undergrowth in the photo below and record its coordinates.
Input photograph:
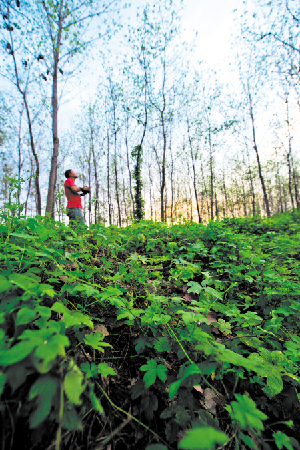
(150, 336)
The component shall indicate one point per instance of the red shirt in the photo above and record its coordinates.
(74, 199)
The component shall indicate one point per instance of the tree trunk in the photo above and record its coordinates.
(194, 173)
(205, 190)
(96, 181)
(216, 205)
(225, 194)
(53, 170)
(163, 169)
(20, 164)
(211, 177)
(128, 163)
(37, 172)
(251, 183)
(244, 200)
(108, 182)
(29, 187)
(89, 177)
(266, 201)
(172, 180)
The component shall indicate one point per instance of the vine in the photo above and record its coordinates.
(138, 208)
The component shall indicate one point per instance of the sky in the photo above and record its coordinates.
(212, 22)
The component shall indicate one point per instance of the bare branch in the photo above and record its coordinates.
(293, 16)
(279, 40)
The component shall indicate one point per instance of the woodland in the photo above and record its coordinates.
(169, 320)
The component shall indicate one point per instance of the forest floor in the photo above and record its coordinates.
(150, 336)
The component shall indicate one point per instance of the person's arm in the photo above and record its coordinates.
(76, 189)
(85, 190)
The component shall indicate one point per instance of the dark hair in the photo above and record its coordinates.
(67, 173)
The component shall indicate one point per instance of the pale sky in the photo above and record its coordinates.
(213, 21)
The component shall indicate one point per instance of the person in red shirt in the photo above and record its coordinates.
(72, 192)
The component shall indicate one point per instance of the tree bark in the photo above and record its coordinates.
(211, 177)
(20, 164)
(108, 182)
(172, 180)
(96, 180)
(194, 173)
(128, 163)
(266, 201)
(32, 145)
(53, 170)
(251, 183)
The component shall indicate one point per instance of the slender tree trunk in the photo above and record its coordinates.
(108, 182)
(124, 195)
(266, 201)
(29, 186)
(216, 205)
(194, 173)
(285, 198)
(296, 187)
(225, 194)
(166, 201)
(96, 178)
(53, 170)
(280, 204)
(172, 180)
(89, 176)
(244, 199)
(163, 169)
(116, 166)
(251, 182)
(128, 162)
(205, 190)
(20, 164)
(32, 145)
(290, 179)
(211, 176)
(289, 153)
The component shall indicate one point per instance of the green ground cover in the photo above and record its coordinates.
(150, 336)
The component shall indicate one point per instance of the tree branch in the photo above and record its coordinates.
(279, 40)
(293, 16)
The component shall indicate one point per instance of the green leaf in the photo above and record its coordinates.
(173, 388)
(46, 289)
(195, 288)
(71, 420)
(45, 354)
(244, 412)
(105, 370)
(4, 284)
(72, 318)
(24, 316)
(282, 440)
(162, 344)
(95, 341)
(213, 292)
(24, 281)
(203, 438)
(2, 381)
(192, 369)
(73, 385)
(44, 389)
(96, 403)
(152, 371)
(16, 353)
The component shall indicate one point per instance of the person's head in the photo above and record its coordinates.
(70, 174)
